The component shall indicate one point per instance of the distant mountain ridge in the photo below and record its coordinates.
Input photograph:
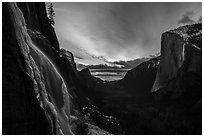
(116, 64)
(44, 93)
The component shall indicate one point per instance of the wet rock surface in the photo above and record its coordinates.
(41, 101)
(36, 19)
(22, 113)
(43, 93)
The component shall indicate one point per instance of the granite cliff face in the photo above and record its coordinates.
(42, 93)
(165, 93)
(140, 79)
(36, 19)
(181, 60)
(22, 113)
(47, 85)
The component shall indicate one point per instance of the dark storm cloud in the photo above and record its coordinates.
(135, 27)
(187, 18)
(200, 19)
(119, 31)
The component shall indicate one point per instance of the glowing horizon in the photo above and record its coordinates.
(99, 33)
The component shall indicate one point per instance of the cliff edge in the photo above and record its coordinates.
(181, 54)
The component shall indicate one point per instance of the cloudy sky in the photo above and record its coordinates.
(97, 33)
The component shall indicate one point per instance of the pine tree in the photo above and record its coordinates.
(51, 14)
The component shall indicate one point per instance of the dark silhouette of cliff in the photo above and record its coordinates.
(42, 90)
(44, 93)
(163, 95)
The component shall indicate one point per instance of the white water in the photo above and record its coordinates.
(40, 74)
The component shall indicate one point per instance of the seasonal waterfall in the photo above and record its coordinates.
(50, 88)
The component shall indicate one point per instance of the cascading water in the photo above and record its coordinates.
(50, 88)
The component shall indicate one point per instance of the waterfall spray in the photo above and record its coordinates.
(43, 73)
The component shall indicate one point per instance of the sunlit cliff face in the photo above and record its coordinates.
(100, 32)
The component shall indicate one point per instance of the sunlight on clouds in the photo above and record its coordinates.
(116, 31)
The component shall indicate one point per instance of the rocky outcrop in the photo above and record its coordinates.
(68, 55)
(175, 79)
(49, 87)
(36, 19)
(140, 79)
(108, 123)
(21, 112)
(181, 62)
(86, 78)
(42, 93)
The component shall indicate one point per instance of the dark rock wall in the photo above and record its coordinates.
(21, 111)
(42, 92)
(181, 60)
(36, 19)
(41, 87)
(139, 80)
(42, 103)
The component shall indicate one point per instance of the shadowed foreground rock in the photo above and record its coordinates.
(22, 113)
(180, 70)
(36, 98)
(164, 94)
(43, 93)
